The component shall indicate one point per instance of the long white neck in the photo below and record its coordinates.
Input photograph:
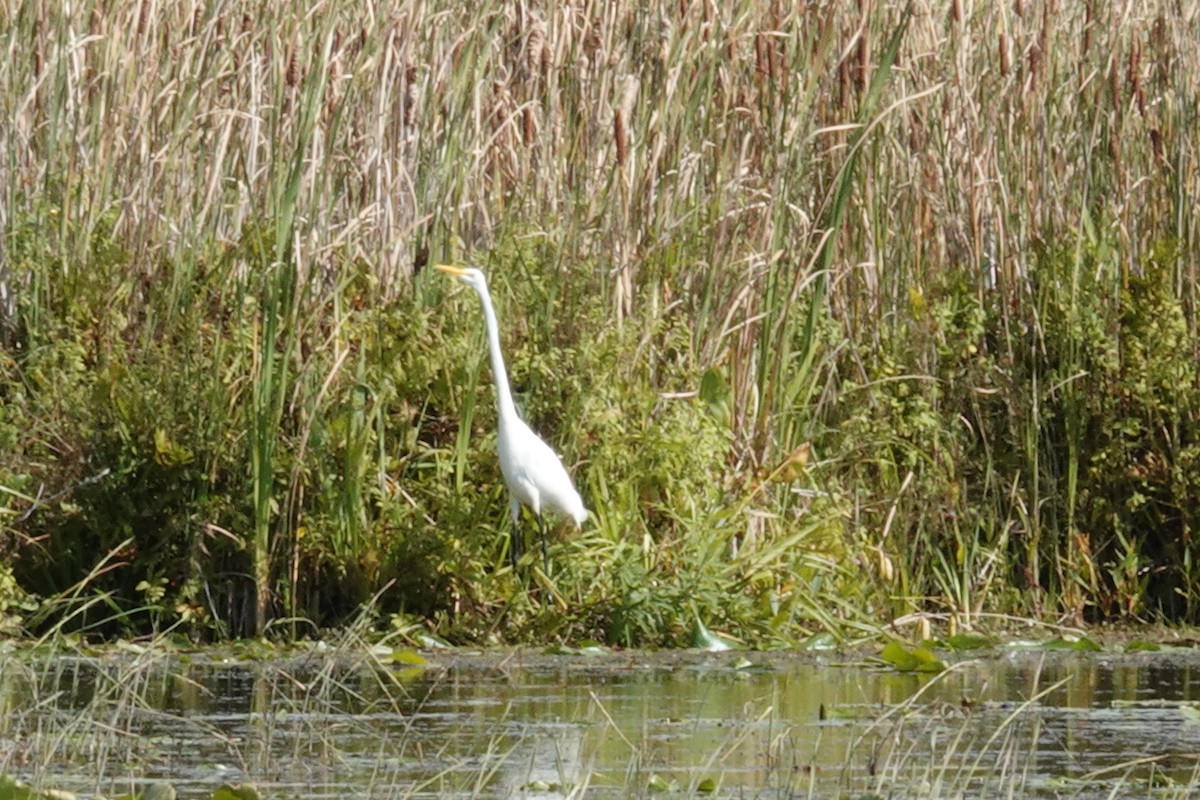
(504, 400)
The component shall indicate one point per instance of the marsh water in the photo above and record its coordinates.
(330, 724)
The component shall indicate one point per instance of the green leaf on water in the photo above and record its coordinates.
(658, 783)
(969, 641)
(13, 789)
(431, 642)
(1080, 644)
(237, 791)
(158, 791)
(819, 641)
(706, 786)
(705, 639)
(916, 659)
(1142, 646)
(408, 657)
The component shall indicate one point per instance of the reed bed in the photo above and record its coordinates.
(839, 311)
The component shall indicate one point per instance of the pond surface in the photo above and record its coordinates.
(333, 724)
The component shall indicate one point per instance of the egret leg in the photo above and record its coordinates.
(545, 553)
(514, 547)
(514, 538)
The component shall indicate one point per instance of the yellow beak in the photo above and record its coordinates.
(449, 269)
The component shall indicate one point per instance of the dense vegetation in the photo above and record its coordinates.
(839, 312)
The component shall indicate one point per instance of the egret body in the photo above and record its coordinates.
(533, 473)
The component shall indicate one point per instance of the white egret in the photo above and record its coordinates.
(532, 471)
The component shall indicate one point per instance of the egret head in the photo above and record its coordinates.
(468, 275)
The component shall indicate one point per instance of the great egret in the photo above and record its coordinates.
(532, 471)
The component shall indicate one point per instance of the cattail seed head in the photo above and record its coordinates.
(621, 135)
(293, 68)
(1114, 81)
(529, 126)
(535, 46)
(1089, 20)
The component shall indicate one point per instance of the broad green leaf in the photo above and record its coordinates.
(408, 657)
(916, 659)
(969, 641)
(705, 639)
(819, 641)
(714, 392)
(1081, 644)
(658, 783)
(237, 791)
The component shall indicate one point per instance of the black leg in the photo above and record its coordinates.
(514, 546)
(545, 553)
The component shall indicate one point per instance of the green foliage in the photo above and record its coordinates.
(823, 341)
(1058, 460)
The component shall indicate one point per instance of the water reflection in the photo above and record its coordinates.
(609, 726)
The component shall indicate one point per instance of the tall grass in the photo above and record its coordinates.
(893, 275)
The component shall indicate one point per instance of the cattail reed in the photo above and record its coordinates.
(535, 47)
(621, 135)
(1004, 62)
(622, 117)
(292, 76)
(1088, 22)
(1134, 74)
(410, 93)
(529, 126)
(862, 60)
(1114, 82)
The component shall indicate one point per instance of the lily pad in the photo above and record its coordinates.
(237, 791)
(915, 659)
(969, 641)
(819, 641)
(1080, 644)
(431, 642)
(411, 658)
(658, 783)
(13, 789)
